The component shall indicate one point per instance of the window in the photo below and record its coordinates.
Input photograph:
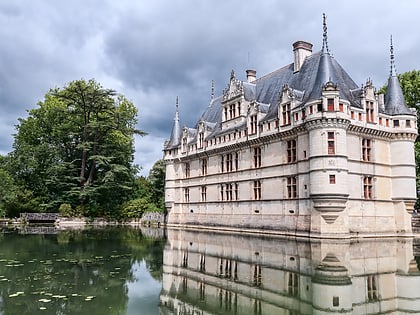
(331, 142)
(229, 162)
(408, 123)
(236, 161)
(332, 179)
(203, 167)
(311, 110)
(222, 163)
(187, 170)
(203, 193)
(200, 139)
(303, 113)
(222, 197)
(228, 192)
(366, 149)
(239, 108)
(257, 157)
(184, 144)
(367, 187)
(257, 190)
(319, 107)
(380, 120)
(371, 284)
(232, 111)
(396, 123)
(257, 276)
(186, 195)
(330, 104)
(236, 191)
(293, 284)
(352, 115)
(253, 124)
(285, 112)
(341, 107)
(291, 151)
(296, 116)
(291, 187)
(226, 113)
(369, 111)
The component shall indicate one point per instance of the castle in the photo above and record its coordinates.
(300, 151)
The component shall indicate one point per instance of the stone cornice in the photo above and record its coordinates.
(326, 122)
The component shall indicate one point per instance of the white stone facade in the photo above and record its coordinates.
(301, 151)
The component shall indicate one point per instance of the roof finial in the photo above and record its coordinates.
(325, 35)
(212, 89)
(393, 72)
(176, 109)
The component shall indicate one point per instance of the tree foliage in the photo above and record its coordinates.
(77, 148)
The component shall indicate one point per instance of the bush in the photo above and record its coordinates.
(136, 207)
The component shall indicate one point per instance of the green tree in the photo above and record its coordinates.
(157, 181)
(77, 148)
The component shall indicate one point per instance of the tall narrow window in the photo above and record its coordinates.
(291, 151)
(257, 190)
(228, 192)
(330, 104)
(236, 161)
(232, 111)
(187, 170)
(222, 197)
(229, 162)
(186, 195)
(257, 275)
(367, 187)
(331, 142)
(293, 284)
(369, 112)
(204, 166)
(236, 191)
(184, 144)
(201, 139)
(203, 193)
(371, 283)
(253, 124)
(257, 157)
(366, 149)
(291, 187)
(285, 112)
(341, 107)
(222, 163)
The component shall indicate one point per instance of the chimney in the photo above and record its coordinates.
(251, 75)
(301, 50)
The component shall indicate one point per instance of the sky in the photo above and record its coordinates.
(155, 51)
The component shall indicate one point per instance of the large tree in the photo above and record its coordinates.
(77, 148)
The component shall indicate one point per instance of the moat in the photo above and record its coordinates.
(118, 270)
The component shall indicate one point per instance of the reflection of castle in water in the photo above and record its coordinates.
(208, 273)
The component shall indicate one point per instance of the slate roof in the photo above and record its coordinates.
(317, 70)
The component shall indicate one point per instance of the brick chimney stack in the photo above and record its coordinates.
(301, 50)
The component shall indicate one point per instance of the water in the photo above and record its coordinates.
(156, 271)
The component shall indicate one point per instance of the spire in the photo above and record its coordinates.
(394, 98)
(175, 139)
(325, 35)
(393, 71)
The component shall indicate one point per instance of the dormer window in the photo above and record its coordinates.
(232, 111)
(253, 124)
(330, 104)
(200, 139)
(369, 111)
(285, 114)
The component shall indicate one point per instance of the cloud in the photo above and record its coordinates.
(154, 51)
